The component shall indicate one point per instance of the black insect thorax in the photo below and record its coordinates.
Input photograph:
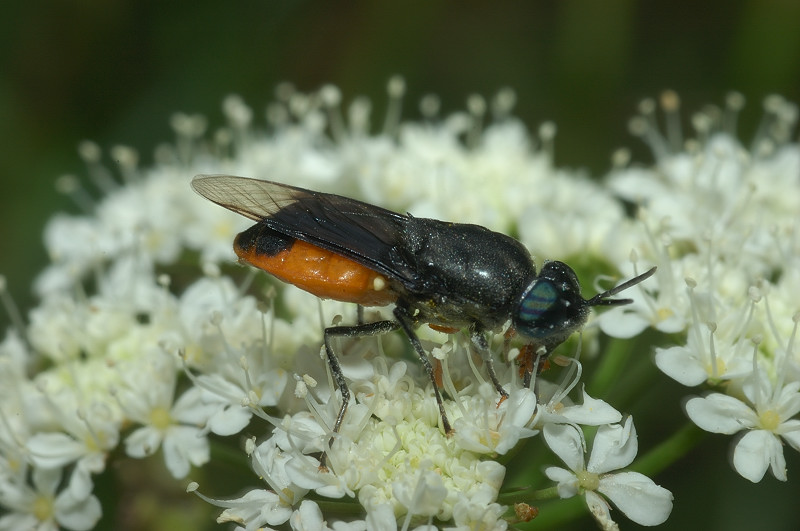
(464, 274)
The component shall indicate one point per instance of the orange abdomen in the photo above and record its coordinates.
(321, 272)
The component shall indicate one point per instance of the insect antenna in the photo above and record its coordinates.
(601, 299)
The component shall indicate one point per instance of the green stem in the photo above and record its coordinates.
(612, 363)
(224, 453)
(527, 495)
(669, 451)
(558, 514)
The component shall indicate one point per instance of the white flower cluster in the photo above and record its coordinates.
(143, 340)
(722, 225)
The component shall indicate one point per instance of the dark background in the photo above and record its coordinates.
(114, 71)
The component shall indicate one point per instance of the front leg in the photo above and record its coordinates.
(482, 346)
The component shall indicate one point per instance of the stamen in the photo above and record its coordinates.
(475, 372)
(783, 363)
(787, 119)
(429, 106)
(734, 103)
(211, 270)
(13, 311)
(772, 105)
(620, 159)
(284, 91)
(396, 89)
(239, 117)
(267, 310)
(570, 379)
(476, 106)
(703, 126)
(128, 160)
(447, 380)
(645, 127)
(358, 116)
(331, 98)
(770, 320)
(756, 340)
(247, 281)
(712, 352)
(671, 106)
(91, 154)
(691, 284)
(547, 135)
(188, 129)
(503, 103)
(755, 296)
(277, 117)
(70, 186)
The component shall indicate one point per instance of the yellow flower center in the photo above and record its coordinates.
(720, 366)
(588, 480)
(770, 420)
(663, 314)
(43, 508)
(160, 418)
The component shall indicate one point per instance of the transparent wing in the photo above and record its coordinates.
(251, 198)
(366, 233)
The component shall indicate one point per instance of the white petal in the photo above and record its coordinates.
(593, 412)
(381, 518)
(303, 471)
(567, 481)
(491, 473)
(790, 431)
(254, 508)
(183, 446)
(521, 407)
(755, 452)
(143, 442)
(308, 517)
(638, 497)
(22, 521)
(565, 441)
(54, 450)
(422, 495)
(720, 413)
(622, 324)
(230, 420)
(77, 514)
(681, 365)
(789, 400)
(80, 482)
(600, 511)
(614, 447)
(46, 480)
(190, 408)
(358, 525)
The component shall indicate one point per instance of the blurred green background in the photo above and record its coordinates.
(114, 71)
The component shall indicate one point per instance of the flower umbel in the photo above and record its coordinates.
(148, 336)
(722, 217)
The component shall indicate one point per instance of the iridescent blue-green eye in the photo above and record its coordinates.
(535, 318)
(551, 308)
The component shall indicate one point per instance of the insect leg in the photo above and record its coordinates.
(405, 323)
(360, 330)
(527, 361)
(482, 346)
